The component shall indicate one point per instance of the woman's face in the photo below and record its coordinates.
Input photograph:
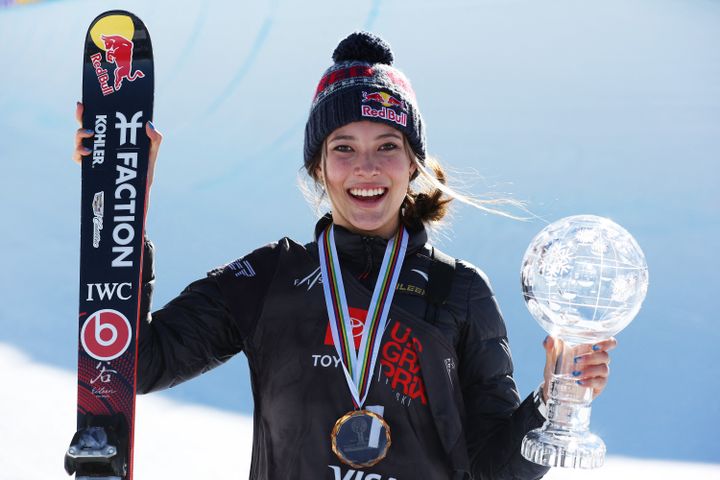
(366, 172)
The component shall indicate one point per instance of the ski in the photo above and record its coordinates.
(117, 92)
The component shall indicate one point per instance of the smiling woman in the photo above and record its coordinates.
(394, 360)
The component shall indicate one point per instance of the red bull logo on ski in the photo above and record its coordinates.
(387, 110)
(113, 35)
(119, 50)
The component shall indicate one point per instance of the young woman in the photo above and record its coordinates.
(365, 352)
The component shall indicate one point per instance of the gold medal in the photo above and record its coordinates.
(360, 438)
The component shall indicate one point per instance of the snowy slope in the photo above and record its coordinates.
(607, 107)
(181, 441)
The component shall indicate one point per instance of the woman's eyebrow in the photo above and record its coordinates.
(341, 137)
(389, 134)
(351, 137)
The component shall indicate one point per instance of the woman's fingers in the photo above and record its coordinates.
(80, 150)
(605, 345)
(596, 358)
(80, 134)
(596, 383)
(591, 371)
(78, 112)
(592, 365)
(155, 141)
(551, 346)
(154, 136)
(594, 354)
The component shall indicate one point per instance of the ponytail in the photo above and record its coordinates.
(430, 204)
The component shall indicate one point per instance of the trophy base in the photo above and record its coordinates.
(563, 449)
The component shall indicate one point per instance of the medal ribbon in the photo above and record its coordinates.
(358, 367)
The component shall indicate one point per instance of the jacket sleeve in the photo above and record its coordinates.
(496, 421)
(209, 322)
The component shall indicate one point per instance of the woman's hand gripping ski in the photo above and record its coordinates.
(81, 134)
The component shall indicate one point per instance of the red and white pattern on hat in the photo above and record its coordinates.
(351, 74)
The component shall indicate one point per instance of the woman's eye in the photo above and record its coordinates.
(342, 148)
(388, 146)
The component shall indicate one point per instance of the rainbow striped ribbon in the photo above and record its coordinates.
(358, 367)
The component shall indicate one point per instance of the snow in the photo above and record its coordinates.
(173, 439)
(182, 441)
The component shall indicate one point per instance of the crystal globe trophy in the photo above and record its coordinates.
(583, 279)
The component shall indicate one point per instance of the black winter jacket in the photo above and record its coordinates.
(446, 389)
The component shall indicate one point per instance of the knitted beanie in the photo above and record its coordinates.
(363, 85)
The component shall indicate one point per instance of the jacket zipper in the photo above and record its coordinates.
(368, 258)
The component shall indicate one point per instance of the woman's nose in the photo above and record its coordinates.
(366, 164)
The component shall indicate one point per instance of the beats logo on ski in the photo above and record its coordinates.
(106, 334)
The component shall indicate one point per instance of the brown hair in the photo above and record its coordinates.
(425, 202)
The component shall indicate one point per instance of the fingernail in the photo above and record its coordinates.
(88, 131)
(596, 348)
(579, 382)
(77, 104)
(576, 373)
(576, 359)
(152, 127)
(545, 341)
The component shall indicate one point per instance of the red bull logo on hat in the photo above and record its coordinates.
(387, 111)
(384, 99)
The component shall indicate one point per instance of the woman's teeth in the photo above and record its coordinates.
(366, 192)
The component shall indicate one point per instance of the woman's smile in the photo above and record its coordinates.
(365, 194)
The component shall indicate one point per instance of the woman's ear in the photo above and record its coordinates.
(319, 176)
(413, 169)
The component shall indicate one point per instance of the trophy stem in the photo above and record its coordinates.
(565, 440)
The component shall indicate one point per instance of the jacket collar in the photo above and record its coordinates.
(359, 251)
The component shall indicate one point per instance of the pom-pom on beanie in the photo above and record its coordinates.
(362, 84)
